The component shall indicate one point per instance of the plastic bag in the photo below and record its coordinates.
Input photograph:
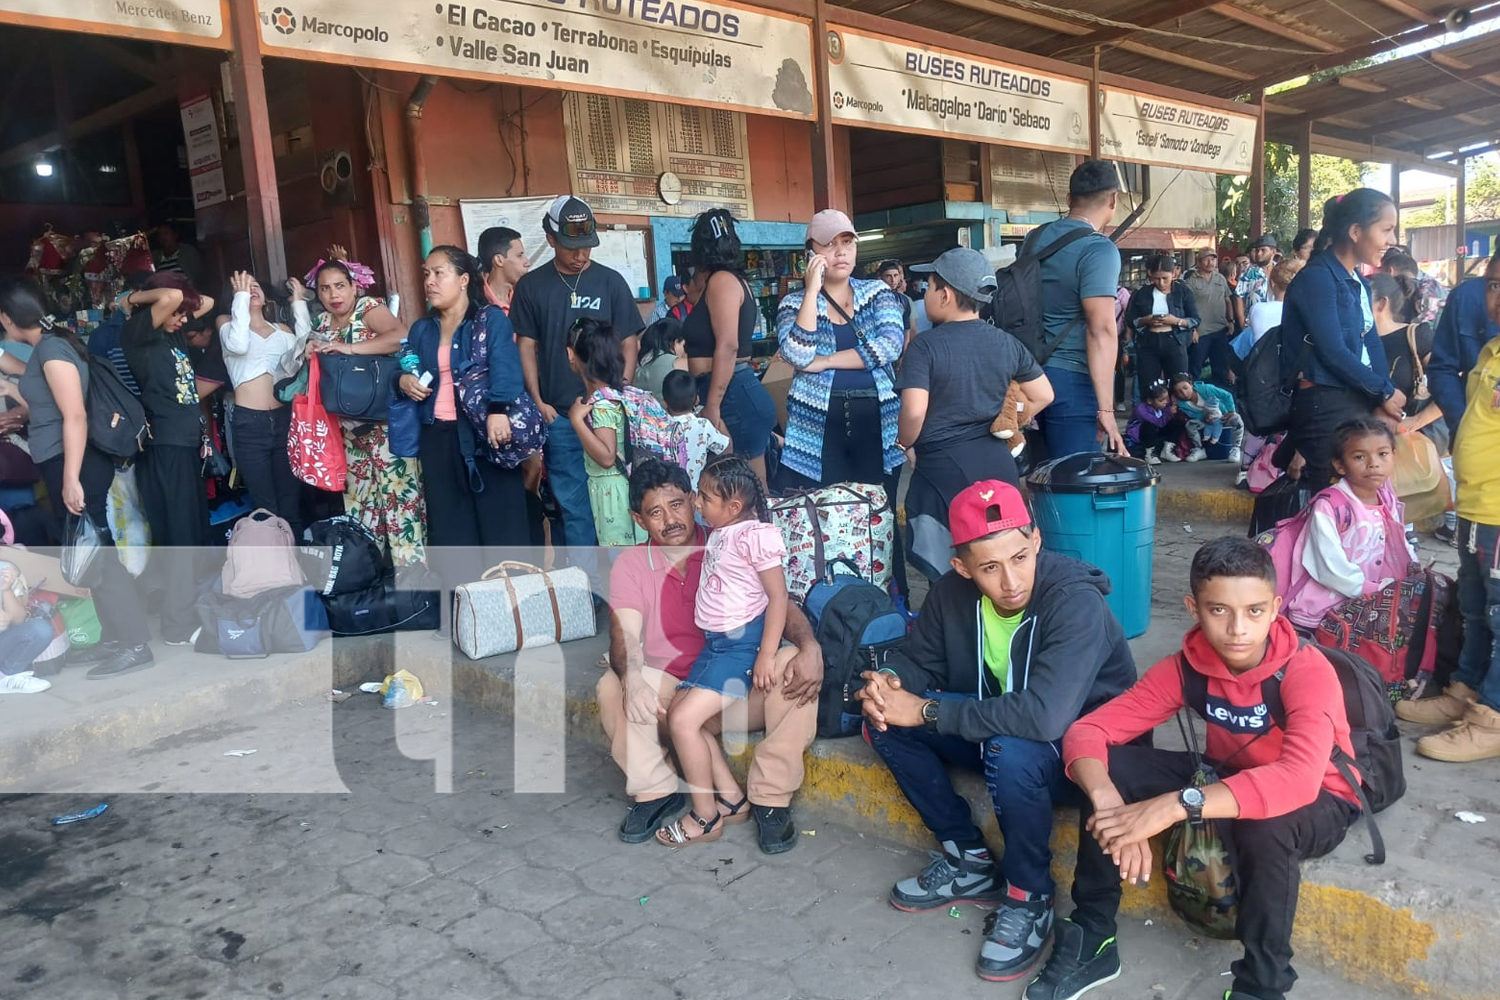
(400, 690)
(127, 522)
(1419, 468)
(80, 557)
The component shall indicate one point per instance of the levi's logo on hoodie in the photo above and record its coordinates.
(1254, 719)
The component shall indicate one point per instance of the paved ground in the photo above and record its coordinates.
(392, 891)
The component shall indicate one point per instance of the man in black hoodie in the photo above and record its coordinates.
(1013, 645)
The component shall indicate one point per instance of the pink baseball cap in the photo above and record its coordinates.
(986, 507)
(828, 225)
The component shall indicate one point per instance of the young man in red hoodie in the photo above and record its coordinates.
(1281, 799)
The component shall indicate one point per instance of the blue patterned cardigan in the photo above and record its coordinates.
(877, 318)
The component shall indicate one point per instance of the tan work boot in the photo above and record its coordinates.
(1447, 707)
(1475, 737)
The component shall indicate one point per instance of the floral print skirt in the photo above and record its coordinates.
(385, 492)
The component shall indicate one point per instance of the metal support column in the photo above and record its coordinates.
(1304, 178)
(1258, 170)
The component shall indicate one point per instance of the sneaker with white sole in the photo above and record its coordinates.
(950, 877)
(1235, 455)
(1014, 936)
(1073, 969)
(22, 683)
(1197, 455)
(1169, 453)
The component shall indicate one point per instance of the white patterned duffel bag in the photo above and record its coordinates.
(534, 607)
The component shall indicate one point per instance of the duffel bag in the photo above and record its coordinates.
(383, 608)
(342, 556)
(283, 620)
(534, 607)
(850, 521)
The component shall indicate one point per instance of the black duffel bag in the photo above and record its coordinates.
(384, 607)
(358, 386)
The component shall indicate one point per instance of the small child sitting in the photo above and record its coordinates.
(1351, 539)
(695, 436)
(1155, 425)
(1210, 416)
(24, 640)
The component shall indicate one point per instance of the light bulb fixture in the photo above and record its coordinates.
(871, 237)
(108, 168)
(43, 168)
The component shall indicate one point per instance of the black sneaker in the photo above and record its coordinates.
(644, 818)
(1014, 936)
(1069, 972)
(1446, 535)
(777, 833)
(949, 879)
(127, 660)
(97, 653)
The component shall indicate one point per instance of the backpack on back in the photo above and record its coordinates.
(1264, 386)
(1017, 300)
(115, 417)
(648, 428)
(857, 626)
(262, 556)
(1372, 732)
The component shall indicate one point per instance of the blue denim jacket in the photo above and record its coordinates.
(506, 384)
(1463, 328)
(1322, 308)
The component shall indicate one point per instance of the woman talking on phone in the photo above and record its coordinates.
(842, 335)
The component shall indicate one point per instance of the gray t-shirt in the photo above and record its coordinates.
(1211, 295)
(966, 366)
(1085, 269)
(45, 429)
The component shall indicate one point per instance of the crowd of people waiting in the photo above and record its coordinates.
(1015, 666)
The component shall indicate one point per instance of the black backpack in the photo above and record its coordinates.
(1372, 731)
(116, 419)
(342, 556)
(1016, 306)
(857, 626)
(1265, 386)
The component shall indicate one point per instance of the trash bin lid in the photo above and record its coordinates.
(1093, 472)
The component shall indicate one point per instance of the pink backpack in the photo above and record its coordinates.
(262, 556)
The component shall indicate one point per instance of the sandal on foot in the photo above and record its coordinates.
(674, 834)
(734, 812)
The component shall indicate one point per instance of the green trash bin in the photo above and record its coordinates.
(1102, 509)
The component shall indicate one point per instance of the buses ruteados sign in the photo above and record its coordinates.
(693, 51)
(882, 82)
(189, 22)
(1146, 129)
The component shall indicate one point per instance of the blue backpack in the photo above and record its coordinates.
(857, 625)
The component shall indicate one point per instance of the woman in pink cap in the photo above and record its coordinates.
(842, 334)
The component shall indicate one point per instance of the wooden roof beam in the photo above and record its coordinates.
(1408, 91)
(1260, 22)
(114, 114)
(1354, 53)
(1471, 133)
(1187, 62)
(1162, 14)
(1408, 11)
(146, 69)
(1021, 15)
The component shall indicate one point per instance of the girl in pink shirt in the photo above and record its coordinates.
(741, 608)
(1350, 541)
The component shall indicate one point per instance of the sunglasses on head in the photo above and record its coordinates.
(573, 230)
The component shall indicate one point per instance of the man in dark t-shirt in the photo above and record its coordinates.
(547, 302)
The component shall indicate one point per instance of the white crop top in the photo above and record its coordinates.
(247, 355)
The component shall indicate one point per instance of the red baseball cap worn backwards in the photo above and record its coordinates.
(986, 507)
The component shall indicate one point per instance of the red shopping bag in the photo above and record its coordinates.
(315, 443)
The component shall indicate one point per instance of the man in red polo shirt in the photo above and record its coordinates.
(653, 642)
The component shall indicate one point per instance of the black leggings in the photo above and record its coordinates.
(1316, 412)
(1159, 355)
(468, 532)
(117, 602)
(171, 482)
(260, 453)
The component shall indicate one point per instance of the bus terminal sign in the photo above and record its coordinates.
(1146, 129)
(694, 51)
(882, 82)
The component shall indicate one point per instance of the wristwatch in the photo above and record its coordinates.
(1192, 800)
(930, 713)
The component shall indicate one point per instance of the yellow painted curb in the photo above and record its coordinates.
(1234, 506)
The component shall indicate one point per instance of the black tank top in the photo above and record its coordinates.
(698, 329)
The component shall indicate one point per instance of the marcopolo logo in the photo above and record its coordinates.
(842, 101)
(286, 22)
